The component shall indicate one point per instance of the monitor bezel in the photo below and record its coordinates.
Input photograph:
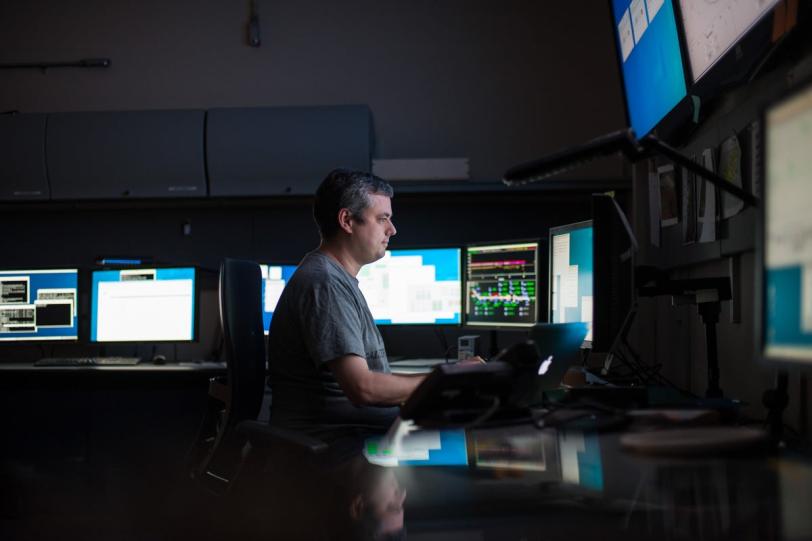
(195, 312)
(566, 228)
(489, 325)
(759, 296)
(53, 341)
(670, 125)
(462, 274)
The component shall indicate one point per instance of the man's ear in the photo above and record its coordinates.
(345, 220)
(357, 507)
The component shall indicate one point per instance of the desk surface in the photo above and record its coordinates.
(140, 368)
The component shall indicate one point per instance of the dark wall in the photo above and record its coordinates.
(496, 82)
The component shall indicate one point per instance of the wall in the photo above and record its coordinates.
(497, 82)
(674, 336)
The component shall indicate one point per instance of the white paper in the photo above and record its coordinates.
(639, 19)
(653, 7)
(706, 219)
(624, 30)
(730, 168)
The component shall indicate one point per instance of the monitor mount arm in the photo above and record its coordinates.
(625, 142)
(707, 294)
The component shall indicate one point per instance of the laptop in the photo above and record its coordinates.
(506, 386)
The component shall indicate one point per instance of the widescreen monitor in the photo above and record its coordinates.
(143, 305)
(274, 279)
(650, 60)
(571, 275)
(712, 29)
(39, 304)
(786, 254)
(502, 284)
(414, 287)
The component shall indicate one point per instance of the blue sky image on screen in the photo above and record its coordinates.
(124, 309)
(274, 278)
(572, 279)
(411, 287)
(648, 46)
(38, 304)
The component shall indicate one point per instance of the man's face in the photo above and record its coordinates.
(371, 233)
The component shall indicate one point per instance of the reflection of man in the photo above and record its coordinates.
(375, 500)
(328, 365)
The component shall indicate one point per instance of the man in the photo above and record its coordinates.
(329, 372)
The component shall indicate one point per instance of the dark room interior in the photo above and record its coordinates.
(180, 134)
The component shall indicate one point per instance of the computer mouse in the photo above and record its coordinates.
(159, 359)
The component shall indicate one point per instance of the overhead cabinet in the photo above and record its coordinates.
(126, 154)
(283, 150)
(22, 157)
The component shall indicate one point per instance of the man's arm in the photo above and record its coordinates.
(365, 387)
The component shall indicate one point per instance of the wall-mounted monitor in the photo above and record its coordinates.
(274, 279)
(39, 304)
(650, 60)
(414, 287)
(712, 29)
(144, 305)
(571, 274)
(785, 254)
(502, 284)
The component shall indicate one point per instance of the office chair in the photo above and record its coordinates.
(235, 400)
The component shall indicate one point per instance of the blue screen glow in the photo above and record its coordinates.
(38, 304)
(649, 51)
(411, 287)
(274, 278)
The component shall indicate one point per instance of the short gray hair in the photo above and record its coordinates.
(343, 188)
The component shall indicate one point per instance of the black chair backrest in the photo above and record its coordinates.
(240, 295)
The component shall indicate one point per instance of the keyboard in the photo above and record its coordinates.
(88, 361)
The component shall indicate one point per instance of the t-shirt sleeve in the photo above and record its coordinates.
(331, 323)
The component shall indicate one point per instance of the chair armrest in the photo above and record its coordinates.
(262, 435)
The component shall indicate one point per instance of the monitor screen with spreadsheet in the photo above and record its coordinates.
(414, 287)
(571, 274)
(144, 305)
(38, 304)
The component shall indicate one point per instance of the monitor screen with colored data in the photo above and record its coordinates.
(501, 284)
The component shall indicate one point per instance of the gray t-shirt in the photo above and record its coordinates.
(321, 316)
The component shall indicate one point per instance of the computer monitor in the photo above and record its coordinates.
(785, 248)
(274, 278)
(712, 29)
(501, 284)
(614, 246)
(39, 304)
(420, 286)
(571, 275)
(144, 305)
(650, 60)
